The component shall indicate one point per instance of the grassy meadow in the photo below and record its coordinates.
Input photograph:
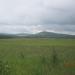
(37, 56)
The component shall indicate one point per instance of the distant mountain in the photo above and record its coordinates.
(4, 35)
(22, 34)
(43, 34)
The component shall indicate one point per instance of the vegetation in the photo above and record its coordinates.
(37, 56)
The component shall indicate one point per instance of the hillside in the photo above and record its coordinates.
(43, 34)
(50, 35)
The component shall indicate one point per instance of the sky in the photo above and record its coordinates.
(32, 16)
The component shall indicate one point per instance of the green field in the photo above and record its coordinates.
(37, 57)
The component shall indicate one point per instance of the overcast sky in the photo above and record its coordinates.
(32, 16)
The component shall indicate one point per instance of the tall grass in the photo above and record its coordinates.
(36, 57)
(4, 68)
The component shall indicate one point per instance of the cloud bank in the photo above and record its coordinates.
(36, 15)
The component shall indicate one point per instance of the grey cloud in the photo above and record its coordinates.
(36, 15)
(37, 12)
(70, 29)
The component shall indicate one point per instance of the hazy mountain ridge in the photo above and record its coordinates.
(51, 35)
(43, 34)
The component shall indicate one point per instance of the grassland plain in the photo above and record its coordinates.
(37, 57)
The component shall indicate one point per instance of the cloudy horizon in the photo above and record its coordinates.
(32, 16)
